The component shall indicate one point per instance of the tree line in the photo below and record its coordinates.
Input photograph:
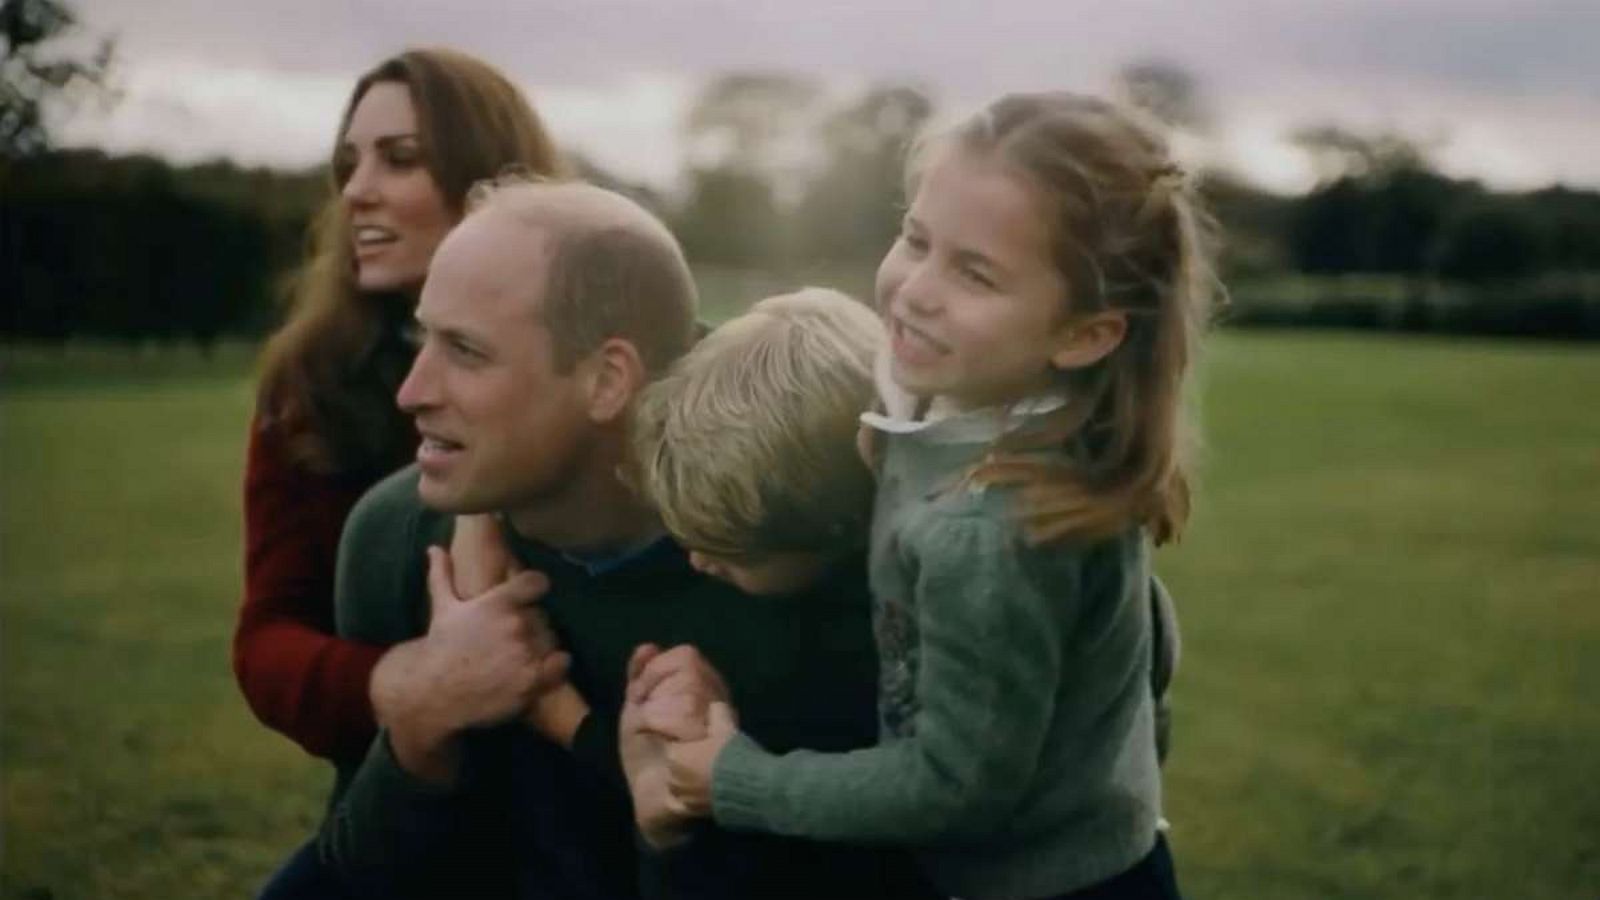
(784, 178)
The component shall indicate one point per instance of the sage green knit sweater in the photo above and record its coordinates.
(1015, 707)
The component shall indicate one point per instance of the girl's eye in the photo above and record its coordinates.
(977, 276)
(343, 168)
(915, 242)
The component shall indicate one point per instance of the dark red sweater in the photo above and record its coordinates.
(298, 678)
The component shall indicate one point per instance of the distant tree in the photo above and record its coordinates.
(851, 209)
(1379, 206)
(1337, 152)
(1387, 224)
(133, 249)
(1167, 91)
(31, 77)
(731, 218)
(746, 134)
(1573, 221)
(1492, 237)
(748, 120)
(1254, 223)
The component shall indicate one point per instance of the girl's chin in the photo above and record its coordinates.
(374, 280)
(911, 378)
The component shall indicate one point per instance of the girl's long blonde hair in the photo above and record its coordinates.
(329, 375)
(1128, 234)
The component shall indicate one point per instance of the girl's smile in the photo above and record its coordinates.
(913, 346)
(974, 304)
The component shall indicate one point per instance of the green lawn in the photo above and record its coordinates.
(1389, 600)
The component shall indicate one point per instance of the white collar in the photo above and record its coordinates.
(900, 410)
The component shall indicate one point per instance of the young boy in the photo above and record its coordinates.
(747, 448)
(748, 451)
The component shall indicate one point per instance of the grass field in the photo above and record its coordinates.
(1389, 598)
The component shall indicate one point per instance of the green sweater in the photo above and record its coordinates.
(1016, 713)
(529, 820)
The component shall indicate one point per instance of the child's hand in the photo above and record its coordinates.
(681, 670)
(660, 820)
(479, 554)
(689, 763)
(480, 560)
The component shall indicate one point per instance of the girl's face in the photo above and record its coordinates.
(396, 212)
(974, 304)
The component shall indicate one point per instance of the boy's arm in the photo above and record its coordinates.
(481, 560)
(990, 663)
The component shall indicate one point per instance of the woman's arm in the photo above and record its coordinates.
(297, 677)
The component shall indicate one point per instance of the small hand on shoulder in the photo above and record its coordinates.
(481, 560)
(486, 658)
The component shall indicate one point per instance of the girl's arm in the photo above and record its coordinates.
(989, 645)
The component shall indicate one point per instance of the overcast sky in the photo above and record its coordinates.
(1502, 90)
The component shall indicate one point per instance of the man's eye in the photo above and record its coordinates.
(916, 242)
(466, 351)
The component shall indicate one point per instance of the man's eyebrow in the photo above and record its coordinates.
(482, 339)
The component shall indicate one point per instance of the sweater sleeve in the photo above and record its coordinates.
(392, 835)
(298, 677)
(989, 645)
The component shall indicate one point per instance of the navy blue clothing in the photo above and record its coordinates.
(531, 820)
(1152, 878)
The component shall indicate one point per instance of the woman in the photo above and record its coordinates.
(418, 131)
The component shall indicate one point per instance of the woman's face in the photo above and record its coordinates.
(396, 212)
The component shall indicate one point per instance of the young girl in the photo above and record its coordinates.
(1042, 303)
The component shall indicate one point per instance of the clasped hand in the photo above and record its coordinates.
(675, 719)
(488, 657)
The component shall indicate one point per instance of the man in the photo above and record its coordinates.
(543, 315)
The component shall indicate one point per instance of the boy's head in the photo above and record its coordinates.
(747, 446)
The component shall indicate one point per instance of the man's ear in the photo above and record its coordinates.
(616, 375)
(1090, 339)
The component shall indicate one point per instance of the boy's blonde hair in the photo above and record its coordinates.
(1128, 234)
(747, 446)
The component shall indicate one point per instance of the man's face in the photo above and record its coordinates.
(501, 428)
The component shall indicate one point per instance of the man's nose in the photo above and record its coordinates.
(419, 390)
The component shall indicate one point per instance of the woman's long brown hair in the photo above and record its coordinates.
(329, 375)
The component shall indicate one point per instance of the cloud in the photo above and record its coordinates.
(264, 80)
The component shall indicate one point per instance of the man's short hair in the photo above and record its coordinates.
(613, 269)
(747, 446)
